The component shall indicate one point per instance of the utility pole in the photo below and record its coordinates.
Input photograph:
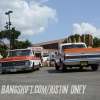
(9, 23)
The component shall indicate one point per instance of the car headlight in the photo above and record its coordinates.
(0, 64)
(27, 62)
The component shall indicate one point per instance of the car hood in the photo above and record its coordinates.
(18, 58)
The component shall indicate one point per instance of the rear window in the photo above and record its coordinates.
(73, 46)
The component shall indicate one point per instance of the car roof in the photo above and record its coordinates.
(72, 43)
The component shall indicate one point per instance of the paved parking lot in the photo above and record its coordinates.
(48, 76)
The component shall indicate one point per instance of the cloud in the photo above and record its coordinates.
(38, 2)
(86, 28)
(98, 18)
(29, 17)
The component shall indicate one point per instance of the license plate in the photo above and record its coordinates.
(84, 63)
(23, 68)
(13, 70)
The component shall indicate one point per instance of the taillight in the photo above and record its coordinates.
(64, 57)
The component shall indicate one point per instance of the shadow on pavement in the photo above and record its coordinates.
(69, 70)
(19, 72)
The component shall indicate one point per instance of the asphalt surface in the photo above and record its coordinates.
(48, 76)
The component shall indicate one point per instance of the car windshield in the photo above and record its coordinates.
(73, 46)
(19, 53)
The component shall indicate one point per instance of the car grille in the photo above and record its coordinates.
(82, 56)
(13, 63)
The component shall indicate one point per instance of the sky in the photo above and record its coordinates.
(48, 20)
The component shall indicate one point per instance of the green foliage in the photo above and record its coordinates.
(65, 41)
(77, 35)
(15, 43)
(5, 34)
(21, 44)
(3, 50)
(86, 39)
(95, 43)
(71, 36)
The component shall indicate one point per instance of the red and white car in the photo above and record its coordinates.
(20, 60)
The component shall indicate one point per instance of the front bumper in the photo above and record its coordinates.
(15, 68)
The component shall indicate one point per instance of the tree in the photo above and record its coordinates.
(86, 38)
(78, 37)
(21, 44)
(3, 50)
(14, 42)
(96, 42)
(6, 35)
(65, 41)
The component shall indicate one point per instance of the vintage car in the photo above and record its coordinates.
(20, 60)
(77, 55)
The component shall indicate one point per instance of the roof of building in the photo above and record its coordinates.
(49, 42)
(59, 41)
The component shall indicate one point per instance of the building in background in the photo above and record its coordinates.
(51, 46)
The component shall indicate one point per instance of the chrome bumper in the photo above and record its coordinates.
(15, 68)
(78, 61)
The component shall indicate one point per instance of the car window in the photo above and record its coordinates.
(19, 53)
(73, 46)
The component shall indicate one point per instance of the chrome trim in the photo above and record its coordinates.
(77, 61)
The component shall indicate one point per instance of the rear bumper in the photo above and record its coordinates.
(73, 62)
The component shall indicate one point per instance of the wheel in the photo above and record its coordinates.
(56, 66)
(63, 68)
(81, 67)
(39, 67)
(95, 67)
(3, 72)
(32, 68)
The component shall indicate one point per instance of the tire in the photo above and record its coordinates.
(63, 68)
(39, 67)
(95, 67)
(3, 72)
(81, 68)
(32, 68)
(56, 66)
